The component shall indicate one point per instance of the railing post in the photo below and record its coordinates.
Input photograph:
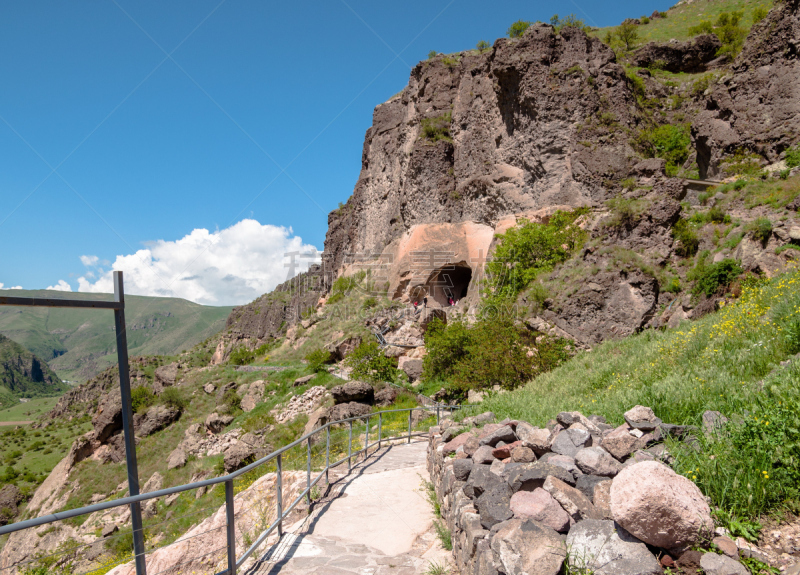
(410, 411)
(366, 440)
(350, 447)
(127, 425)
(327, 455)
(231, 530)
(308, 471)
(279, 494)
(380, 424)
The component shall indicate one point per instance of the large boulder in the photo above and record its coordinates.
(386, 396)
(154, 419)
(358, 391)
(342, 349)
(165, 376)
(412, 367)
(659, 506)
(177, 458)
(604, 548)
(348, 410)
(621, 443)
(253, 396)
(243, 452)
(540, 506)
(526, 547)
(713, 564)
(215, 422)
(597, 461)
(642, 418)
(494, 505)
(691, 56)
(107, 420)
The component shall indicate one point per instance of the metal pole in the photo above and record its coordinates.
(127, 424)
(350, 447)
(279, 489)
(308, 471)
(327, 455)
(231, 530)
(380, 424)
(410, 411)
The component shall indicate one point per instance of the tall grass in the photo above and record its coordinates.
(717, 363)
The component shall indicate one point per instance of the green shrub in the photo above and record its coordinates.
(318, 359)
(669, 142)
(760, 229)
(714, 215)
(432, 54)
(483, 46)
(241, 356)
(517, 29)
(344, 285)
(529, 248)
(759, 13)
(491, 352)
(369, 303)
(743, 162)
(628, 34)
(438, 128)
(569, 21)
(710, 277)
(793, 156)
(141, 398)
(686, 237)
(700, 85)
(369, 363)
(172, 397)
(703, 27)
(232, 401)
(644, 20)
(624, 211)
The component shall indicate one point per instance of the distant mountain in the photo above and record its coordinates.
(80, 343)
(22, 374)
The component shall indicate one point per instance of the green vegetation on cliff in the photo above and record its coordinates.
(23, 375)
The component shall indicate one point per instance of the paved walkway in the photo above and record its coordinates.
(374, 521)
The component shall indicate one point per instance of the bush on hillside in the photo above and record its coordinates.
(569, 21)
(709, 278)
(628, 34)
(172, 397)
(141, 398)
(793, 157)
(483, 46)
(529, 248)
(368, 363)
(727, 29)
(517, 29)
(489, 353)
(344, 285)
(437, 128)
(760, 229)
(318, 359)
(669, 142)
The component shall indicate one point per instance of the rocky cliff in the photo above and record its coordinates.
(755, 109)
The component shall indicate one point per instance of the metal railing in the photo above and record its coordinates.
(235, 563)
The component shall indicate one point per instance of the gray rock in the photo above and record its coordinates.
(604, 548)
(575, 503)
(483, 454)
(714, 564)
(527, 547)
(713, 422)
(494, 505)
(481, 479)
(641, 417)
(177, 458)
(155, 419)
(529, 476)
(564, 462)
(569, 441)
(462, 469)
(165, 376)
(358, 391)
(597, 461)
(209, 388)
(216, 422)
(303, 380)
(586, 484)
(505, 434)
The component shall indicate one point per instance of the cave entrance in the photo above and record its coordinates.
(448, 281)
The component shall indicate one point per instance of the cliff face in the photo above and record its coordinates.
(756, 109)
(529, 129)
(23, 374)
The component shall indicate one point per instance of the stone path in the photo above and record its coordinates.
(374, 521)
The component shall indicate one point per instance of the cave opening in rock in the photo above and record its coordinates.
(448, 281)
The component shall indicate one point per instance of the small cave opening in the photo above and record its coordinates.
(450, 281)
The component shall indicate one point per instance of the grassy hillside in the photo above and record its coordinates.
(80, 343)
(22, 374)
(732, 361)
(683, 16)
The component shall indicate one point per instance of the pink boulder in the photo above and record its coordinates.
(540, 506)
(660, 507)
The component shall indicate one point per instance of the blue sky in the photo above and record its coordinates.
(127, 129)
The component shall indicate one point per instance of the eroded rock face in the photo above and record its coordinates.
(691, 56)
(757, 107)
(358, 391)
(659, 506)
(514, 110)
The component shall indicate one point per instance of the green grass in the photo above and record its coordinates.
(28, 411)
(728, 361)
(679, 19)
(78, 344)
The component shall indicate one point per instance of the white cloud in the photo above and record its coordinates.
(61, 286)
(227, 267)
(89, 261)
(2, 286)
